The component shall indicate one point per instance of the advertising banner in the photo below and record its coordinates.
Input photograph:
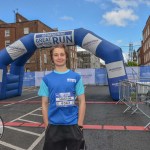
(115, 69)
(91, 42)
(16, 50)
(53, 38)
(132, 73)
(101, 76)
(88, 75)
(1, 75)
(91, 76)
(38, 78)
(145, 73)
(47, 72)
(29, 79)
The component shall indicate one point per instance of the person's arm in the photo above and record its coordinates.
(82, 108)
(45, 110)
(43, 91)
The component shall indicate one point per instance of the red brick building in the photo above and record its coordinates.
(144, 51)
(40, 61)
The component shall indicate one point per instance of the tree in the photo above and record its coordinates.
(132, 63)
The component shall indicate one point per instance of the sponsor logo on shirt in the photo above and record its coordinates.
(71, 80)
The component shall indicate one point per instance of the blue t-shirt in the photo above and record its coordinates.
(62, 88)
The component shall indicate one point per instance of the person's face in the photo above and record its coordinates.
(59, 57)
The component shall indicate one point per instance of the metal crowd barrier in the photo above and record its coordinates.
(127, 94)
(134, 93)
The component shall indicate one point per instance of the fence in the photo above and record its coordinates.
(89, 76)
(134, 93)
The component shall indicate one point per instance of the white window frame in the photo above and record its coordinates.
(26, 30)
(7, 43)
(45, 59)
(28, 61)
(7, 33)
(28, 70)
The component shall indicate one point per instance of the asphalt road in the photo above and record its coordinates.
(106, 126)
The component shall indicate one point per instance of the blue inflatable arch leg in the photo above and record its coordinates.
(20, 51)
(16, 55)
(110, 53)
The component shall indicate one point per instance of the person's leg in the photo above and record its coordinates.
(53, 140)
(73, 145)
(75, 137)
(60, 145)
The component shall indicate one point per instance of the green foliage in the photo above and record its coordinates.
(133, 96)
(132, 63)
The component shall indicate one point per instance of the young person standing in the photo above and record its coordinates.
(63, 118)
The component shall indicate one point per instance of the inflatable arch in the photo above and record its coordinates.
(20, 51)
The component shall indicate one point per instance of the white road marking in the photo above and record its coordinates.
(25, 114)
(28, 120)
(24, 131)
(29, 88)
(36, 141)
(40, 136)
(37, 115)
(20, 101)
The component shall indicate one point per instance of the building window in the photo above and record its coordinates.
(7, 43)
(26, 30)
(27, 70)
(45, 58)
(28, 61)
(7, 33)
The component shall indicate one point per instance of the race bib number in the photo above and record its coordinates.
(65, 99)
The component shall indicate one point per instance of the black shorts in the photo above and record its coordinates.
(58, 137)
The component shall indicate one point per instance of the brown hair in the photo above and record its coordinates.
(60, 45)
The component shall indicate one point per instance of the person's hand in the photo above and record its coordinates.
(46, 125)
(81, 127)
